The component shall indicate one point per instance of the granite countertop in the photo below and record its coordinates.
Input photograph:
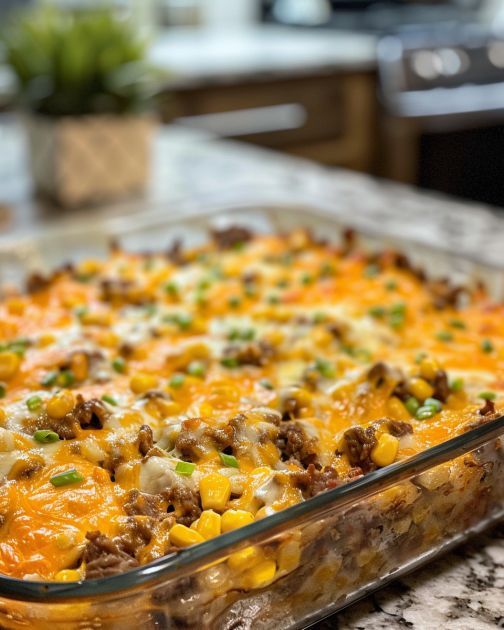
(191, 171)
(213, 55)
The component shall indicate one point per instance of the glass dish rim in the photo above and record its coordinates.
(202, 554)
(167, 566)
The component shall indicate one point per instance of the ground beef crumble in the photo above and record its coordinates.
(90, 414)
(104, 557)
(257, 353)
(185, 502)
(140, 503)
(145, 439)
(231, 236)
(398, 428)
(359, 443)
(293, 444)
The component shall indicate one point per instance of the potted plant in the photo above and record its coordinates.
(83, 84)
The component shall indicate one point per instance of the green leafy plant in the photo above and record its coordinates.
(71, 63)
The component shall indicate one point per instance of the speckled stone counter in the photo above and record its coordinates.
(462, 590)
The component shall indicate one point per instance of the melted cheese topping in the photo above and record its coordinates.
(232, 340)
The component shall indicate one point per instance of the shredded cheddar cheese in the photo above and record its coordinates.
(151, 402)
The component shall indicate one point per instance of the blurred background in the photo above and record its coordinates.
(409, 90)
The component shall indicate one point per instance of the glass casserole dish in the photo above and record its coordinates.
(331, 549)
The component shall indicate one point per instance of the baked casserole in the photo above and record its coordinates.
(151, 402)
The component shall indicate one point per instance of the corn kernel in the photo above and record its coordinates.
(233, 519)
(289, 555)
(68, 575)
(141, 383)
(152, 409)
(3, 416)
(89, 267)
(60, 404)
(428, 368)
(420, 388)
(9, 365)
(245, 558)
(396, 410)
(96, 318)
(215, 491)
(385, 452)
(15, 306)
(263, 512)
(183, 536)
(261, 575)
(209, 524)
(108, 339)
(194, 524)
(65, 540)
(46, 339)
(79, 366)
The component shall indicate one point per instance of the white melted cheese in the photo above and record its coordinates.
(158, 474)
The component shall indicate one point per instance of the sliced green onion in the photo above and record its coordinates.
(66, 378)
(229, 460)
(33, 402)
(412, 405)
(391, 285)
(319, 317)
(371, 271)
(327, 270)
(250, 290)
(397, 315)
(377, 311)
(457, 385)
(109, 399)
(420, 357)
(487, 395)
(171, 288)
(244, 334)
(177, 380)
(434, 403)
(18, 346)
(306, 278)
(50, 379)
(196, 368)
(444, 335)
(238, 246)
(119, 365)
(185, 468)
(3, 390)
(325, 368)
(248, 334)
(487, 346)
(83, 277)
(267, 384)
(200, 297)
(66, 478)
(287, 259)
(457, 323)
(230, 362)
(45, 436)
(234, 301)
(273, 299)
(203, 284)
(80, 311)
(423, 413)
(184, 321)
(362, 354)
(282, 284)
(150, 309)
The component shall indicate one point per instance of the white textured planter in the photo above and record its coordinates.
(89, 159)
